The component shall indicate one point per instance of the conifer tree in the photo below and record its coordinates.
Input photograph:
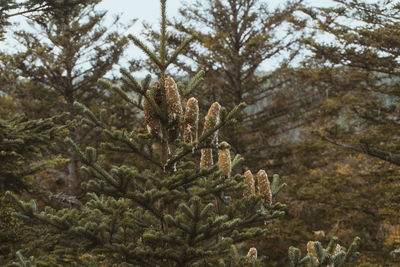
(233, 39)
(354, 75)
(24, 152)
(63, 65)
(23, 147)
(26, 144)
(11, 8)
(362, 70)
(178, 212)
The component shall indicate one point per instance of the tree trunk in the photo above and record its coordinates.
(73, 180)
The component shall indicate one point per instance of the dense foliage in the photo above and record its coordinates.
(144, 180)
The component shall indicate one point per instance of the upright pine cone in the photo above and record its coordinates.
(206, 160)
(211, 120)
(338, 248)
(153, 124)
(191, 120)
(224, 159)
(249, 181)
(310, 248)
(264, 186)
(174, 107)
(252, 254)
(311, 251)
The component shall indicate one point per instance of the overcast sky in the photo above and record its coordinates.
(149, 11)
(144, 11)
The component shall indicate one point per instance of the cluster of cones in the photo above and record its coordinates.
(264, 186)
(175, 112)
(190, 132)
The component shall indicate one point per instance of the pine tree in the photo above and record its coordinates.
(233, 40)
(23, 146)
(63, 65)
(11, 8)
(179, 212)
(24, 152)
(354, 127)
(362, 63)
(360, 74)
(26, 144)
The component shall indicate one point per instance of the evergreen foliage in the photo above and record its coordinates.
(357, 74)
(25, 147)
(9, 9)
(233, 39)
(61, 63)
(165, 186)
(178, 212)
(175, 213)
(363, 66)
(333, 255)
(12, 8)
(24, 150)
(353, 80)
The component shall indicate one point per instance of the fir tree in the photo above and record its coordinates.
(354, 78)
(24, 146)
(64, 66)
(179, 212)
(363, 73)
(11, 8)
(233, 39)
(24, 152)
(359, 71)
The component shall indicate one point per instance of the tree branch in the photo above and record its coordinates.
(377, 153)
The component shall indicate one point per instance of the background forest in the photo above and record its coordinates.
(250, 135)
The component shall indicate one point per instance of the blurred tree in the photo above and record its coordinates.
(62, 62)
(343, 171)
(363, 95)
(12, 8)
(234, 38)
(26, 145)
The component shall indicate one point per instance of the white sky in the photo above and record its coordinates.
(149, 11)
(144, 11)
